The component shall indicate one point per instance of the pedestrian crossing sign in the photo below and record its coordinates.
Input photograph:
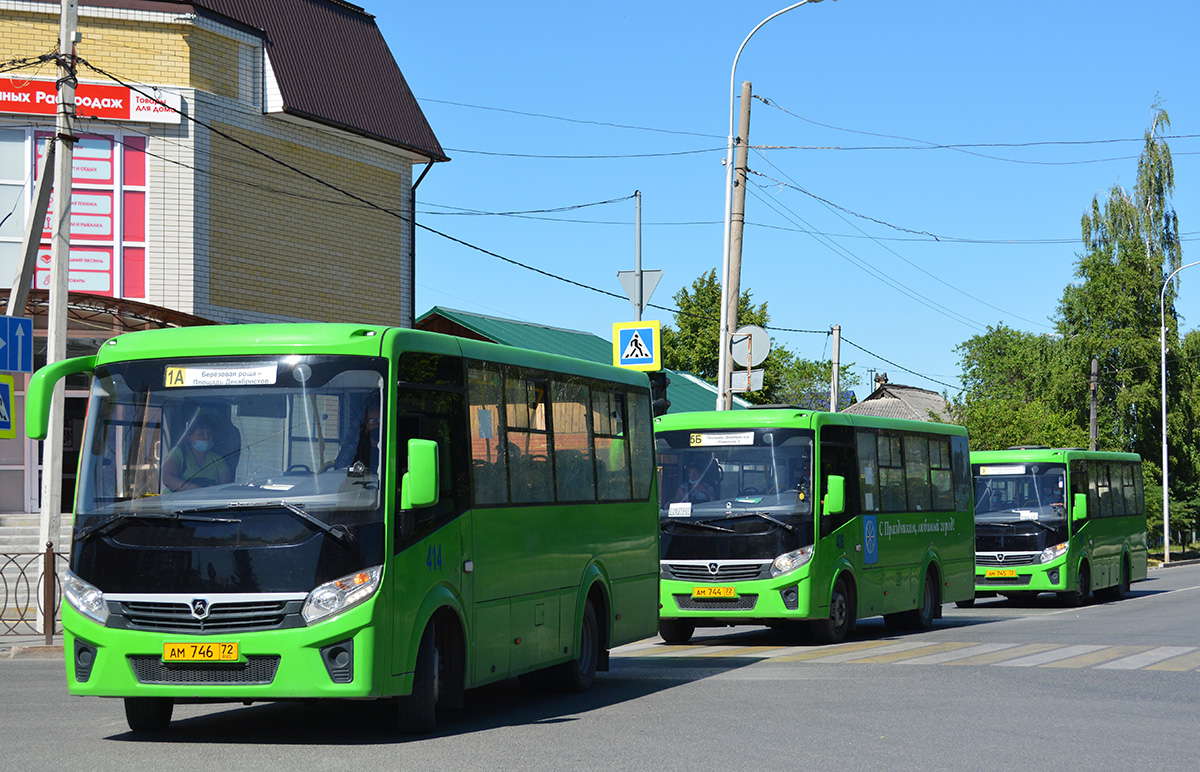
(637, 345)
(8, 429)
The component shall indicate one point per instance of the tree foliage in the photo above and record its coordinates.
(692, 346)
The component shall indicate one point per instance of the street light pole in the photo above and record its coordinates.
(723, 395)
(1162, 339)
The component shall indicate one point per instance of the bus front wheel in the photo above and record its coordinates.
(676, 631)
(1083, 588)
(833, 628)
(148, 714)
(418, 711)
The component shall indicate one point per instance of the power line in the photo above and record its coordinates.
(594, 157)
(570, 120)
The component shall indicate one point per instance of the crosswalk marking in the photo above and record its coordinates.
(1146, 658)
(918, 652)
(1050, 655)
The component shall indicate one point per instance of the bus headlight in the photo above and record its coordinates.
(85, 598)
(1053, 553)
(340, 595)
(790, 561)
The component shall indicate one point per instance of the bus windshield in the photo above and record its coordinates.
(201, 463)
(1010, 493)
(729, 474)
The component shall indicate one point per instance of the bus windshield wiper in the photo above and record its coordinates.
(698, 524)
(175, 517)
(764, 516)
(339, 533)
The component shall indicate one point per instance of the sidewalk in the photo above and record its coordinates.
(32, 646)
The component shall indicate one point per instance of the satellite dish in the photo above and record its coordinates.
(750, 345)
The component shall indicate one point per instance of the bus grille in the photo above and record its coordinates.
(1010, 558)
(222, 617)
(726, 572)
(740, 603)
(257, 670)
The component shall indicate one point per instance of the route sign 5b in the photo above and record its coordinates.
(637, 345)
(16, 344)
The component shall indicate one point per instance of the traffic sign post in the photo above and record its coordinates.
(16, 344)
(637, 345)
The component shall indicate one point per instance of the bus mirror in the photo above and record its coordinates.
(1079, 508)
(41, 390)
(835, 496)
(419, 487)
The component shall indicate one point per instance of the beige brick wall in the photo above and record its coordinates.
(280, 243)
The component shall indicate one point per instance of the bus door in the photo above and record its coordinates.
(841, 534)
(431, 542)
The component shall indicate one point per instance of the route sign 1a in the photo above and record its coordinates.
(8, 424)
(637, 345)
(16, 344)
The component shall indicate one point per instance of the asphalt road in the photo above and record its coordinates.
(999, 686)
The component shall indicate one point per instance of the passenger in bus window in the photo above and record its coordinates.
(193, 463)
(694, 489)
(364, 447)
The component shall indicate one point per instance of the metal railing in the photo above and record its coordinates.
(29, 583)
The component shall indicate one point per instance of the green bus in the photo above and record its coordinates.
(1059, 520)
(781, 514)
(271, 512)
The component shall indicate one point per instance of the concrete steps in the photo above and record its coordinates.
(19, 534)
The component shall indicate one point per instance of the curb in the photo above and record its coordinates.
(1174, 563)
(36, 652)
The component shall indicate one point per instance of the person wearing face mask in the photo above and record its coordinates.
(694, 489)
(361, 442)
(193, 463)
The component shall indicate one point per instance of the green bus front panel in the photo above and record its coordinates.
(271, 665)
(1105, 545)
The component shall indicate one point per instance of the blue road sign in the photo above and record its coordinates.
(637, 345)
(8, 430)
(16, 344)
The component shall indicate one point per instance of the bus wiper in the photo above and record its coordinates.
(764, 516)
(339, 533)
(175, 517)
(698, 524)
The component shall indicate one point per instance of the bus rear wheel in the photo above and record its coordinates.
(577, 675)
(676, 631)
(148, 714)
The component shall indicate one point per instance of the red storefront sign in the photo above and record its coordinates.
(92, 100)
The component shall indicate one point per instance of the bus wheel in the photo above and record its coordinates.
(418, 711)
(1083, 588)
(834, 628)
(577, 675)
(148, 714)
(921, 618)
(1121, 588)
(675, 630)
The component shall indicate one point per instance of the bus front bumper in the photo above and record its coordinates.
(747, 602)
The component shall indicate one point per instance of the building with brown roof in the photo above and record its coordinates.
(892, 400)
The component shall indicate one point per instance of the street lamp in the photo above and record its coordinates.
(1162, 339)
(723, 395)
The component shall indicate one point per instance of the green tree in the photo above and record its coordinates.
(692, 346)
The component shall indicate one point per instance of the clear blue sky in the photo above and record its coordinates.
(620, 80)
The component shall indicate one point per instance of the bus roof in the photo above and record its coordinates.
(1048, 455)
(797, 418)
(344, 339)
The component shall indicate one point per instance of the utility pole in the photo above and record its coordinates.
(731, 292)
(835, 374)
(639, 301)
(60, 264)
(1094, 388)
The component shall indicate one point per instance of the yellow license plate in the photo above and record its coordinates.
(200, 652)
(713, 592)
(1000, 573)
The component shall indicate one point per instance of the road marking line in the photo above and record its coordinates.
(967, 650)
(929, 650)
(1104, 654)
(1186, 662)
(1042, 658)
(887, 648)
(996, 656)
(745, 651)
(1146, 658)
(824, 651)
